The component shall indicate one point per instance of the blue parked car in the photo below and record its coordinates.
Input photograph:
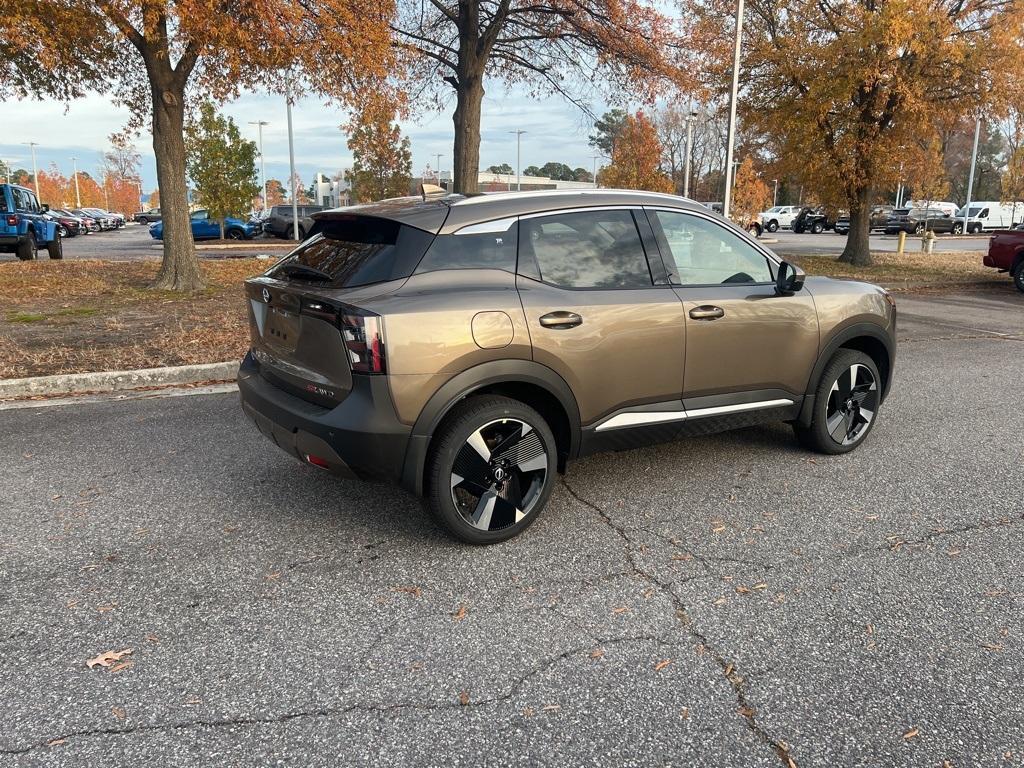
(24, 227)
(205, 228)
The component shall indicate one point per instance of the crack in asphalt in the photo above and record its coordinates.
(322, 712)
(729, 670)
(895, 542)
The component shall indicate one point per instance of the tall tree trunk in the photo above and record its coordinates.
(180, 268)
(858, 243)
(469, 94)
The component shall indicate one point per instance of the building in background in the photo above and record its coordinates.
(331, 193)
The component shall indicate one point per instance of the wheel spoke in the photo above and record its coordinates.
(477, 442)
(836, 426)
(484, 510)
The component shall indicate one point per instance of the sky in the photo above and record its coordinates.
(555, 131)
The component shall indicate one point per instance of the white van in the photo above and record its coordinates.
(950, 208)
(991, 214)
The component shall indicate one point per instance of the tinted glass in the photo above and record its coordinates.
(473, 250)
(357, 250)
(22, 200)
(200, 215)
(705, 253)
(3, 199)
(590, 249)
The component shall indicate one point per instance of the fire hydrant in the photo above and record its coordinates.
(928, 242)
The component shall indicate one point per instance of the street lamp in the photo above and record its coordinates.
(733, 93)
(595, 169)
(78, 195)
(519, 177)
(35, 176)
(689, 151)
(291, 159)
(775, 194)
(263, 167)
(970, 178)
(438, 155)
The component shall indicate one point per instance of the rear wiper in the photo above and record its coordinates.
(305, 272)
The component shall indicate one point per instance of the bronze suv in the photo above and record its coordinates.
(468, 348)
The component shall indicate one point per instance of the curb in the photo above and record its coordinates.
(112, 381)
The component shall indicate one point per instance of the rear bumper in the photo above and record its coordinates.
(361, 437)
(11, 240)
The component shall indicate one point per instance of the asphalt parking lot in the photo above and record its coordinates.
(786, 241)
(133, 243)
(726, 601)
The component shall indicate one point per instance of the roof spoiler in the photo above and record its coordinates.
(428, 191)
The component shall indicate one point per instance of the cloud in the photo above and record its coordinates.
(555, 131)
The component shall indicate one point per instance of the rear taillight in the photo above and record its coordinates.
(12, 221)
(363, 333)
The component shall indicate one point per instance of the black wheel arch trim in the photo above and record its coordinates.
(855, 331)
(473, 380)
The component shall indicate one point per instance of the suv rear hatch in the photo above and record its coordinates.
(309, 333)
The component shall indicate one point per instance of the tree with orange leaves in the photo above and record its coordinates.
(381, 157)
(154, 55)
(750, 193)
(636, 158)
(842, 92)
(53, 187)
(567, 47)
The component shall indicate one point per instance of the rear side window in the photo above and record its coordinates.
(588, 249)
(353, 251)
(3, 200)
(483, 246)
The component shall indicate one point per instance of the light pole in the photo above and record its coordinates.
(35, 176)
(970, 178)
(291, 160)
(595, 169)
(438, 155)
(78, 195)
(732, 107)
(775, 194)
(689, 151)
(263, 167)
(519, 176)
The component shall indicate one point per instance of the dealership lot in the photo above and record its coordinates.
(729, 600)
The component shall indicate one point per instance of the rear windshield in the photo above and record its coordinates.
(354, 251)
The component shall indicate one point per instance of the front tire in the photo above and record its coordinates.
(235, 234)
(491, 469)
(773, 226)
(1018, 277)
(816, 228)
(958, 229)
(919, 229)
(846, 403)
(55, 248)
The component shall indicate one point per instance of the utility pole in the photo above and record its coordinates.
(775, 194)
(291, 160)
(970, 178)
(519, 176)
(690, 117)
(35, 176)
(438, 155)
(595, 169)
(733, 93)
(78, 195)
(263, 167)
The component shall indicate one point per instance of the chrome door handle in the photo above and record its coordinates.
(560, 320)
(706, 312)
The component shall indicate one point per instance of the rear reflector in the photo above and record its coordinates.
(316, 461)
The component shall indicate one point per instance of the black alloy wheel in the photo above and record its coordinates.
(491, 469)
(1018, 277)
(846, 403)
(852, 404)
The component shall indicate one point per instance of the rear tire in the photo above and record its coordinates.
(816, 228)
(958, 229)
(846, 403)
(773, 226)
(919, 229)
(28, 249)
(1018, 277)
(491, 469)
(55, 248)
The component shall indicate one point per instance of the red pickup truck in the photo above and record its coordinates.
(1006, 253)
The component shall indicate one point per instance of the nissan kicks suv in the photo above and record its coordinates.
(468, 348)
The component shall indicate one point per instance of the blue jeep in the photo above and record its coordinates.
(23, 227)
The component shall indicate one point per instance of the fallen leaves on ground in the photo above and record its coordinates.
(108, 658)
(460, 614)
(414, 591)
(913, 733)
(662, 664)
(597, 653)
(118, 712)
(464, 698)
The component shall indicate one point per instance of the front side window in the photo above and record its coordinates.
(586, 249)
(200, 216)
(705, 253)
(491, 245)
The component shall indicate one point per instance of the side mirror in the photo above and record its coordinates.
(46, 208)
(790, 278)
